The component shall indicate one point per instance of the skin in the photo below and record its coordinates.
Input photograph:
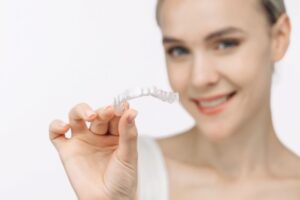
(100, 160)
(231, 155)
(234, 154)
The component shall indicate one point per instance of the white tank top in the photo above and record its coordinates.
(152, 173)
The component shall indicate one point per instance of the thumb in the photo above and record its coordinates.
(127, 150)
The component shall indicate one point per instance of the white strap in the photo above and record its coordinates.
(152, 173)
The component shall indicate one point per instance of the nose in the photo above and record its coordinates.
(204, 72)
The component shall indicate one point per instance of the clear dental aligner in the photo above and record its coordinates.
(153, 91)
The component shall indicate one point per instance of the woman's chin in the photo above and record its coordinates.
(215, 134)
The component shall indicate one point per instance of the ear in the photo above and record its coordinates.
(280, 37)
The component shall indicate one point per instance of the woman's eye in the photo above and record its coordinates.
(177, 51)
(225, 44)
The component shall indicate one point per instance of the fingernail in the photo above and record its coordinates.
(89, 114)
(62, 124)
(131, 118)
(119, 110)
(103, 113)
(107, 108)
(122, 107)
(125, 105)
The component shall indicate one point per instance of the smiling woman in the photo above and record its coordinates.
(220, 56)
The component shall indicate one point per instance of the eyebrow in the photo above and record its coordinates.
(211, 36)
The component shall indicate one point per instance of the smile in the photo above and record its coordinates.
(214, 105)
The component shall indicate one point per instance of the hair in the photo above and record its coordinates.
(273, 9)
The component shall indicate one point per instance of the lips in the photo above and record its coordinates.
(214, 104)
(215, 97)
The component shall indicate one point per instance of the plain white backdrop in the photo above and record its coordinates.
(55, 54)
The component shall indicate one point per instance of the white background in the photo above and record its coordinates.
(55, 54)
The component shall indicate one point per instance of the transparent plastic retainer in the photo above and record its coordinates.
(153, 91)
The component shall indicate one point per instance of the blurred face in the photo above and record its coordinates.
(218, 55)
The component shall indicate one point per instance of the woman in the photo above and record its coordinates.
(220, 58)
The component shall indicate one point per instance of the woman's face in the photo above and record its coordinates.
(219, 59)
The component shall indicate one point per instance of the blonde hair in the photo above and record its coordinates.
(273, 9)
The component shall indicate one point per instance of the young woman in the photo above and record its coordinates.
(220, 58)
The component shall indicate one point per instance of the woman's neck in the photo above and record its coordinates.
(243, 154)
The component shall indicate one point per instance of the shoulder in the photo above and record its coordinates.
(287, 169)
(292, 165)
(174, 146)
(149, 144)
(291, 173)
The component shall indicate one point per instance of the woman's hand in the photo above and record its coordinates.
(100, 160)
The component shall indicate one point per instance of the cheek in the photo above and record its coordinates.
(250, 67)
(251, 73)
(178, 77)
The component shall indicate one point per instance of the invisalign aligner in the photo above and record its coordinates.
(153, 91)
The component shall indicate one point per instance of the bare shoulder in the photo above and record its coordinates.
(167, 142)
(289, 174)
(174, 144)
(292, 166)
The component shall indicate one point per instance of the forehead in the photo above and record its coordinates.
(199, 16)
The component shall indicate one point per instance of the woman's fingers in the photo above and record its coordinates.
(78, 116)
(57, 131)
(102, 122)
(113, 126)
(127, 150)
(100, 125)
(114, 123)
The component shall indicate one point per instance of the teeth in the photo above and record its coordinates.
(212, 103)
